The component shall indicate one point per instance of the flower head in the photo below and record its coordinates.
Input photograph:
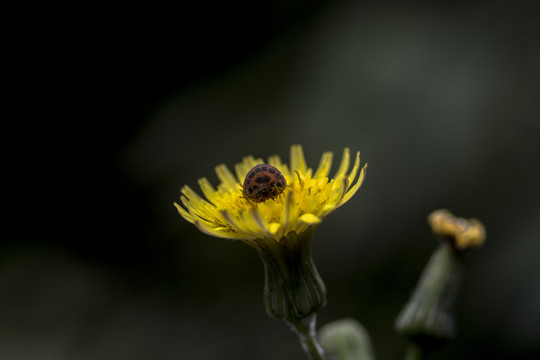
(308, 198)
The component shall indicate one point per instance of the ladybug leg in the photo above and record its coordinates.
(253, 205)
(279, 191)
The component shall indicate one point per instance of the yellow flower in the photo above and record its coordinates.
(307, 199)
(462, 233)
(280, 229)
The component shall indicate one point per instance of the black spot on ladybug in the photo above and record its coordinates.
(262, 179)
(263, 182)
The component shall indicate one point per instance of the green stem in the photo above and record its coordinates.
(414, 352)
(305, 328)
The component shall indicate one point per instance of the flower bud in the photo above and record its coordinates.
(346, 340)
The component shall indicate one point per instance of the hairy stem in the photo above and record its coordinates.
(305, 328)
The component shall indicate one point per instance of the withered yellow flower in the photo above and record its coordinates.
(463, 233)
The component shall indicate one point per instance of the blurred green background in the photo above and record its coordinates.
(117, 109)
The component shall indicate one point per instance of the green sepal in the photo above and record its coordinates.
(428, 318)
(293, 288)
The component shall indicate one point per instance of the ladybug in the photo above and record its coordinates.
(263, 182)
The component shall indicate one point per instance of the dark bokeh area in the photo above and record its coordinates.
(111, 111)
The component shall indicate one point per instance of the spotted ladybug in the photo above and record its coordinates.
(263, 182)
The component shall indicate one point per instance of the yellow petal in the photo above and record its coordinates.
(298, 162)
(227, 178)
(356, 166)
(260, 221)
(288, 212)
(309, 219)
(191, 195)
(241, 169)
(274, 227)
(275, 161)
(344, 165)
(232, 221)
(217, 231)
(207, 189)
(195, 204)
(356, 186)
(184, 213)
(254, 223)
(339, 189)
(324, 165)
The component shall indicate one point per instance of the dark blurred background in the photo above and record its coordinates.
(110, 111)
